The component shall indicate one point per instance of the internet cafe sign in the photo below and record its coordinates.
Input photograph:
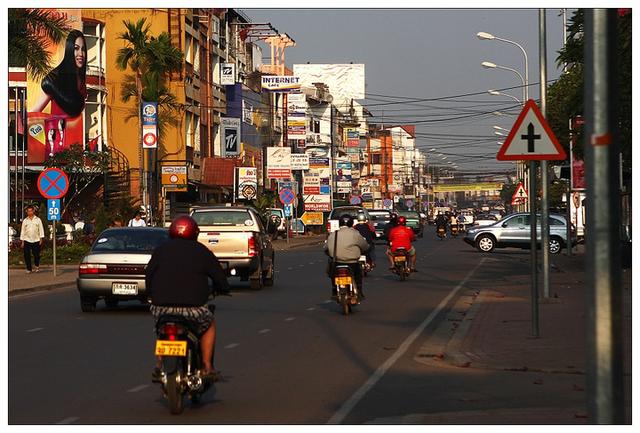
(280, 83)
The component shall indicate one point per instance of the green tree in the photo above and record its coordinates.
(32, 32)
(81, 167)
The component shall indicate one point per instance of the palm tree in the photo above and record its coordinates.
(32, 32)
(151, 59)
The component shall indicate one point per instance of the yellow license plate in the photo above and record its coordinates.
(399, 259)
(343, 281)
(171, 348)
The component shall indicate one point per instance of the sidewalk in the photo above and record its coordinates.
(21, 282)
(490, 325)
(298, 241)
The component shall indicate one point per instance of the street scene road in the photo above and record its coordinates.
(287, 353)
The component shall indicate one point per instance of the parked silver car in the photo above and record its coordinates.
(114, 268)
(515, 231)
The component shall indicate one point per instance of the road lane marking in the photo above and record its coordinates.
(289, 319)
(290, 269)
(138, 388)
(231, 346)
(264, 331)
(34, 330)
(301, 266)
(310, 309)
(68, 420)
(328, 301)
(348, 406)
(311, 263)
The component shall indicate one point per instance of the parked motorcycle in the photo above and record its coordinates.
(441, 232)
(401, 263)
(181, 375)
(346, 290)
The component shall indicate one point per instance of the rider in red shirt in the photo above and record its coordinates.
(401, 236)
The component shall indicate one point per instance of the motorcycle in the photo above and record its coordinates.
(181, 374)
(454, 230)
(364, 265)
(346, 289)
(441, 232)
(400, 263)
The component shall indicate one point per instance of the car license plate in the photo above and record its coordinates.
(124, 288)
(399, 259)
(171, 348)
(342, 281)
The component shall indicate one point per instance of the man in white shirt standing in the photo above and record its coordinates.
(137, 221)
(31, 235)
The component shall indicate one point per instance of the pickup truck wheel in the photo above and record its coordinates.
(270, 275)
(257, 283)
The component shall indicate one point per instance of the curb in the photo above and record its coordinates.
(41, 288)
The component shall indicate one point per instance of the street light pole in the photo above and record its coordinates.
(544, 165)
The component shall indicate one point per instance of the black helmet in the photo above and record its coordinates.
(346, 220)
(394, 218)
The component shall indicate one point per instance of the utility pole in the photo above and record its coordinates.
(544, 165)
(605, 395)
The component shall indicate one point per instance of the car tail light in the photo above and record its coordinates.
(92, 268)
(328, 226)
(251, 245)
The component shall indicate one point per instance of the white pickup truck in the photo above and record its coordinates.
(239, 240)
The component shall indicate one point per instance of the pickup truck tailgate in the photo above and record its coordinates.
(225, 244)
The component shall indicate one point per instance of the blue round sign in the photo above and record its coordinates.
(387, 202)
(355, 199)
(287, 196)
(53, 183)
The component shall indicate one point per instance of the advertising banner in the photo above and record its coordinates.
(278, 162)
(318, 162)
(343, 171)
(231, 135)
(282, 83)
(56, 103)
(228, 74)
(247, 112)
(351, 137)
(174, 177)
(299, 161)
(247, 183)
(318, 203)
(149, 125)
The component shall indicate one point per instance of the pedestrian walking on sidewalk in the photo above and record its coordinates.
(31, 235)
(137, 220)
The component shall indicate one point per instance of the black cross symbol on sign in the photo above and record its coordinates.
(521, 192)
(530, 137)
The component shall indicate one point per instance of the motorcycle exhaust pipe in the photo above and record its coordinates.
(194, 383)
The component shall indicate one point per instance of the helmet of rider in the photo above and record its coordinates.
(362, 218)
(394, 218)
(184, 227)
(346, 220)
(402, 221)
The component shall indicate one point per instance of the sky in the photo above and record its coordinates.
(433, 55)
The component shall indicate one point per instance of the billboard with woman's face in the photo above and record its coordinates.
(56, 103)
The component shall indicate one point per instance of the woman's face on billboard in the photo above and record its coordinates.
(78, 52)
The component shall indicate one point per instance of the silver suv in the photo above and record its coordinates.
(515, 231)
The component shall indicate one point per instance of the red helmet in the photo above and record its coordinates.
(402, 221)
(184, 227)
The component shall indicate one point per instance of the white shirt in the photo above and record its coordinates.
(32, 229)
(139, 223)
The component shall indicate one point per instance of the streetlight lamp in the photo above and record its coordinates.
(496, 93)
(491, 65)
(489, 37)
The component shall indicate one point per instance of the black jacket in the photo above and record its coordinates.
(366, 233)
(177, 274)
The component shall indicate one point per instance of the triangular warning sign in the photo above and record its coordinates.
(519, 194)
(531, 138)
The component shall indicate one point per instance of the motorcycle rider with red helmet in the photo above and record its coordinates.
(177, 282)
(401, 236)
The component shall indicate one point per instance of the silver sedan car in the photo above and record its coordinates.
(114, 268)
(515, 231)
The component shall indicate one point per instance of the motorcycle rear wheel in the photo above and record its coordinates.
(346, 308)
(174, 394)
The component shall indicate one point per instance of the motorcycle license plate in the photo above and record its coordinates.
(342, 281)
(171, 348)
(124, 288)
(399, 259)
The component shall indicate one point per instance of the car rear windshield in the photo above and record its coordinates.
(409, 214)
(380, 216)
(142, 240)
(338, 212)
(222, 218)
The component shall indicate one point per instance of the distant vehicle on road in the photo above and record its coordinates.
(336, 213)
(485, 219)
(380, 218)
(515, 231)
(282, 227)
(114, 268)
(414, 222)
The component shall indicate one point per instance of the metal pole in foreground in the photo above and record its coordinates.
(535, 326)
(544, 165)
(605, 394)
(55, 268)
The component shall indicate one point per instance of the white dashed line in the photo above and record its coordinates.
(301, 266)
(289, 319)
(264, 331)
(328, 301)
(138, 388)
(68, 420)
(231, 346)
(34, 330)
(310, 309)
(311, 263)
(290, 269)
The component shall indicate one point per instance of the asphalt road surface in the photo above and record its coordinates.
(287, 353)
